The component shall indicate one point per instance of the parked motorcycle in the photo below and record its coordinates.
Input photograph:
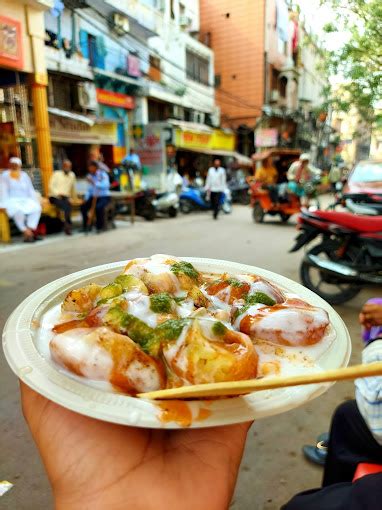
(167, 203)
(348, 257)
(194, 199)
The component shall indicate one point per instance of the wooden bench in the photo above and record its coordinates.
(5, 229)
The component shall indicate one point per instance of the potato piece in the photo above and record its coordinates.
(81, 300)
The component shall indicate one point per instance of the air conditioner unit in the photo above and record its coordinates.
(121, 24)
(87, 95)
(178, 112)
(185, 21)
(274, 96)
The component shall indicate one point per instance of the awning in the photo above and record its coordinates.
(71, 115)
(240, 158)
(190, 126)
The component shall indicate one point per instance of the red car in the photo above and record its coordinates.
(365, 181)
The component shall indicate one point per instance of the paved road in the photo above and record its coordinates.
(273, 468)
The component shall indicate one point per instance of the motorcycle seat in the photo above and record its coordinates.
(352, 221)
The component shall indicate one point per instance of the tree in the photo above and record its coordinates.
(359, 60)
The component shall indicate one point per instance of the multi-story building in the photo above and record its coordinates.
(125, 72)
(265, 75)
(24, 129)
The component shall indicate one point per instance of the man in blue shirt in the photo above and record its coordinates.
(97, 196)
(133, 159)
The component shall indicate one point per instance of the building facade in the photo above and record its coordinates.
(24, 128)
(267, 85)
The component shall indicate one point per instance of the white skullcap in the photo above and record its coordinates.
(305, 157)
(16, 161)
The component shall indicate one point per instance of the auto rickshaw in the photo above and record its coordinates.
(261, 196)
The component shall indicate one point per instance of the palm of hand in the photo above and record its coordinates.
(93, 464)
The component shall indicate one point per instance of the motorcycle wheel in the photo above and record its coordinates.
(258, 213)
(150, 214)
(335, 291)
(185, 206)
(284, 217)
(172, 212)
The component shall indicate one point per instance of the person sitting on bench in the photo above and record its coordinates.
(20, 200)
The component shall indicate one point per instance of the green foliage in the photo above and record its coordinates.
(359, 60)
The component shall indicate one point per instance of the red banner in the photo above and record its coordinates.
(110, 98)
(11, 53)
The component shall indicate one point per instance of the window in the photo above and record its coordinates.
(154, 69)
(197, 68)
(92, 49)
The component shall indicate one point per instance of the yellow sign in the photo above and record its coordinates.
(223, 141)
(218, 139)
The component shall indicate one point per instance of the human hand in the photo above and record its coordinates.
(371, 315)
(95, 465)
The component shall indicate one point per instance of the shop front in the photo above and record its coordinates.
(78, 138)
(23, 82)
(196, 147)
(117, 107)
(192, 147)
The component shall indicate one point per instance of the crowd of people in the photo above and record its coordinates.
(23, 205)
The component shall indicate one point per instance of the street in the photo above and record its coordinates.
(273, 468)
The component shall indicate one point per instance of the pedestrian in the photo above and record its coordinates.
(216, 184)
(62, 191)
(300, 173)
(96, 198)
(355, 435)
(133, 159)
(20, 200)
(267, 175)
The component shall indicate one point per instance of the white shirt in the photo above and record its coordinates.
(216, 179)
(62, 183)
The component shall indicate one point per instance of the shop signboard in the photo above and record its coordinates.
(266, 137)
(193, 139)
(221, 140)
(11, 53)
(151, 149)
(117, 99)
(74, 131)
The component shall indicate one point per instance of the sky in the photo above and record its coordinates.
(317, 16)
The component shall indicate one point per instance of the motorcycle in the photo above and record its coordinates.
(194, 198)
(348, 257)
(167, 203)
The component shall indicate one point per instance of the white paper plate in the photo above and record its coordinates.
(39, 372)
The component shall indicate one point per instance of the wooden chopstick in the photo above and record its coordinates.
(243, 387)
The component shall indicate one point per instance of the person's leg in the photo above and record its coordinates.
(215, 197)
(100, 212)
(64, 205)
(33, 219)
(20, 220)
(350, 443)
(84, 211)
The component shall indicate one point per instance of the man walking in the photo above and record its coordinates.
(216, 184)
(62, 189)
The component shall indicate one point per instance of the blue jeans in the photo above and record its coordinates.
(102, 202)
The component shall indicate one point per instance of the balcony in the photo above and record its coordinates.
(76, 65)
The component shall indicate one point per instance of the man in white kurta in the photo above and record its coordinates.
(20, 200)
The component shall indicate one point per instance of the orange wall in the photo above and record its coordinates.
(238, 44)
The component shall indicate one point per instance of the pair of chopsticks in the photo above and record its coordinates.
(269, 383)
